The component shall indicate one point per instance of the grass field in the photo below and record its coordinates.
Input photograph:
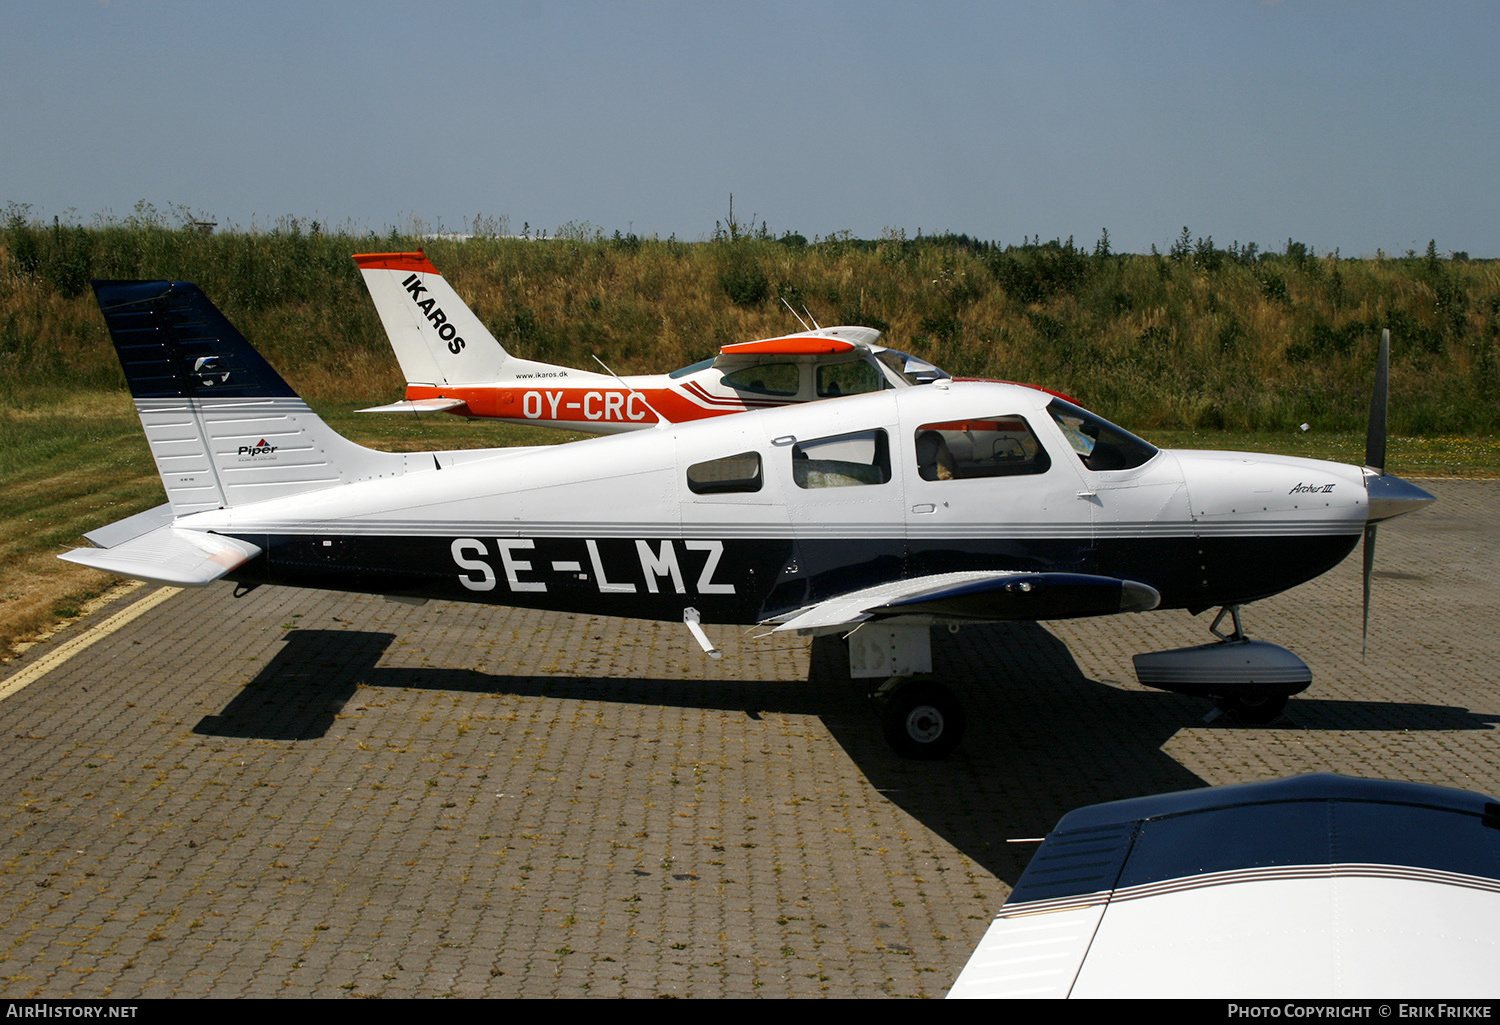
(72, 461)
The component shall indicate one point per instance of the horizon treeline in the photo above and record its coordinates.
(1197, 337)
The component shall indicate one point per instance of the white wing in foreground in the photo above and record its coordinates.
(1318, 886)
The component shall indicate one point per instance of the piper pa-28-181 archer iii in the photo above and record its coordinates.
(874, 516)
(453, 364)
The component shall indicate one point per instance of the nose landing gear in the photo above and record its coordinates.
(1253, 679)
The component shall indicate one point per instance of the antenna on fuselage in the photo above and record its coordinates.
(816, 326)
(794, 313)
(661, 421)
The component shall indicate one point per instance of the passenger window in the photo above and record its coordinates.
(731, 474)
(992, 447)
(766, 379)
(848, 460)
(848, 379)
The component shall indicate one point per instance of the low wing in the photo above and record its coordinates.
(975, 596)
(1318, 886)
(165, 554)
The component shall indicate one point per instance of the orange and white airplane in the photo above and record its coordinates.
(453, 364)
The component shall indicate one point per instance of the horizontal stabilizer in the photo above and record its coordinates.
(168, 555)
(131, 527)
(456, 406)
(978, 596)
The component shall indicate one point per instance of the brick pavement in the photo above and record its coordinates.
(310, 794)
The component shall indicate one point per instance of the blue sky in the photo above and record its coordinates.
(1360, 126)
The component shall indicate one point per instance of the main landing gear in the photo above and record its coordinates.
(1252, 679)
(920, 718)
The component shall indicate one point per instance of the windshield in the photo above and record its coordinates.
(1099, 444)
(911, 369)
(693, 368)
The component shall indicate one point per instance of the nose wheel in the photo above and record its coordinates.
(1261, 711)
(1252, 679)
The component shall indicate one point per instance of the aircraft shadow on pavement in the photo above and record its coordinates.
(301, 691)
(1042, 737)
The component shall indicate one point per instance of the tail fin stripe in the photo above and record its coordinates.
(172, 342)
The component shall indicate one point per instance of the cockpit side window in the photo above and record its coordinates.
(853, 378)
(1100, 444)
(728, 475)
(848, 460)
(766, 379)
(1002, 446)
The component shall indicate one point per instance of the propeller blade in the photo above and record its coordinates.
(1379, 404)
(1369, 553)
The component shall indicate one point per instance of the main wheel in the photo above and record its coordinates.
(923, 720)
(1260, 711)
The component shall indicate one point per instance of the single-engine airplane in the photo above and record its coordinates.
(874, 516)
(454, 364)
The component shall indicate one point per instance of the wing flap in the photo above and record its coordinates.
(1034, 958)
(169, 555)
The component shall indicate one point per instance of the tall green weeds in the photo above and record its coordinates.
(1201, 337)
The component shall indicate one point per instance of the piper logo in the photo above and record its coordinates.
(260, 448)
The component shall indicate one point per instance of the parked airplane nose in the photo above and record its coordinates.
(1391, 496)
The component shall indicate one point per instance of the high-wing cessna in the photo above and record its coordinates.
(453, 364)
(874, 516)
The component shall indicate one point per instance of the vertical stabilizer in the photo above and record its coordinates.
(223, 426)
(438, 340)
